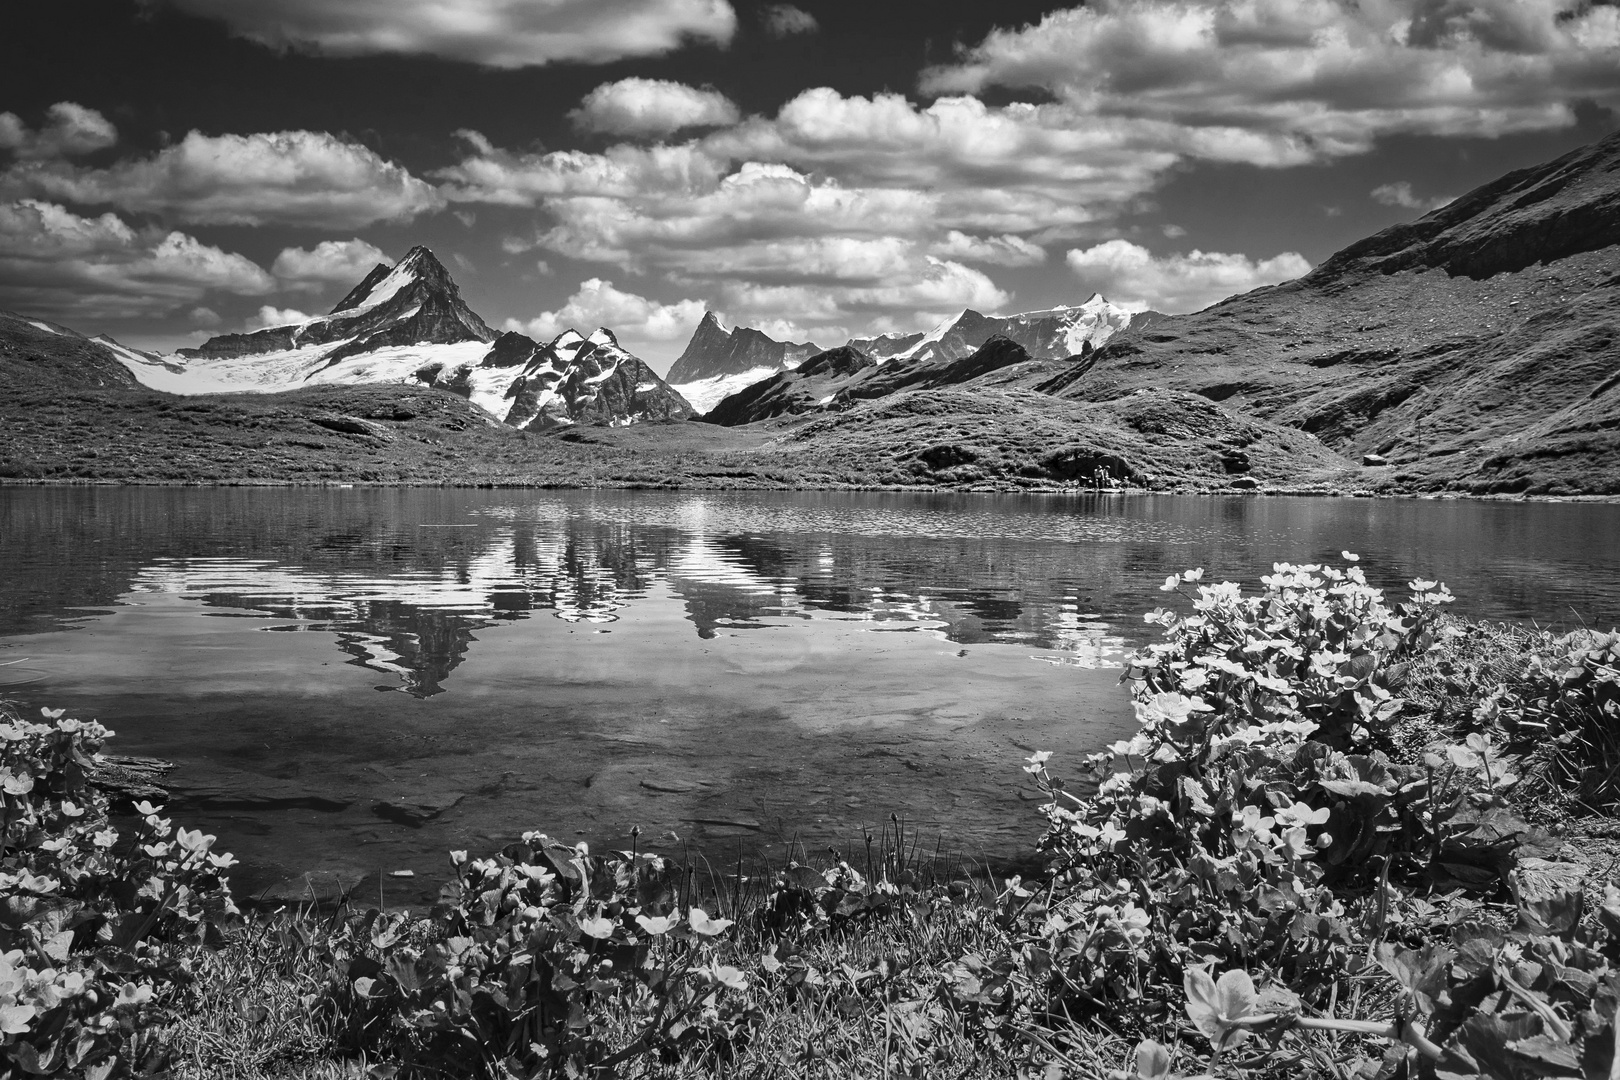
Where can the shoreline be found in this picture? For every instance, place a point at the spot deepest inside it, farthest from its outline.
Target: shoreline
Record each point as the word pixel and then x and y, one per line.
pixel 859 489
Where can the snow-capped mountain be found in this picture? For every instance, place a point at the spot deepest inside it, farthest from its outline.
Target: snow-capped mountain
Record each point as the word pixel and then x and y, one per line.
pixel 1051 334
pixel 407 323
pixel 572 380
pixel 411 302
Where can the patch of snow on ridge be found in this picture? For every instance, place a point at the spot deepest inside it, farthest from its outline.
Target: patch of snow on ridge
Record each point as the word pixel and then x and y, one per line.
pixel 933 337
pixel 705 394
pixel 385 290
pixel 44 327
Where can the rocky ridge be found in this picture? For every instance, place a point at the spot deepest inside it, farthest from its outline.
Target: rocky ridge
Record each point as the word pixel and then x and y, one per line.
pixel 713 350
pixel 836 379
pixel 571 380
pixel 413 301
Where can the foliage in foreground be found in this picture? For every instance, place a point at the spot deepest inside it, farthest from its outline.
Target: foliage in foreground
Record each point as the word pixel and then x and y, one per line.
pixel 1270 869
pixel 92 921
pixel 1257 824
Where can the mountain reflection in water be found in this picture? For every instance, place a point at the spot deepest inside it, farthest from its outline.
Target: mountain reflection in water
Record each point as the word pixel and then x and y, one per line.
pixel 418 625
pixel 725 672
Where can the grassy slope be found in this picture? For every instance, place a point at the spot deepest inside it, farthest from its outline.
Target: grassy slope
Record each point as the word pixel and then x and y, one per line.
pixel 395 434
pixel 1447 344
pixel 958 437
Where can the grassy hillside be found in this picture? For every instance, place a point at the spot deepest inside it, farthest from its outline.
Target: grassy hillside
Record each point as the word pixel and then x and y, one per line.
pixel 1475 348
pixel 407 435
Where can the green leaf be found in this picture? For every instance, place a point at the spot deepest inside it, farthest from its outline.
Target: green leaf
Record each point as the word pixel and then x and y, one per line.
pixel 1423 974
pixel 1152 1061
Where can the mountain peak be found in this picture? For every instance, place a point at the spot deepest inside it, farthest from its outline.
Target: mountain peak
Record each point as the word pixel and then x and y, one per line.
pixel 356 295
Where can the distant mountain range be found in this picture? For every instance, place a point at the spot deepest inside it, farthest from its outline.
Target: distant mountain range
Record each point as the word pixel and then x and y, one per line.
pixel 718 362
pixel 1476 349
pixel 407 323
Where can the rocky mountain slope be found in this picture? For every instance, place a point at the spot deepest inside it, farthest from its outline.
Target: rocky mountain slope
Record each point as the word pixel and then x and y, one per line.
pixel 1475 348
pixel 813 385
pixel 717 362
pixel 836 379
pixel 572 380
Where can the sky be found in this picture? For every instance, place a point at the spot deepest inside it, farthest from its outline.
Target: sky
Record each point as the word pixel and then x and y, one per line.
pixel 175 169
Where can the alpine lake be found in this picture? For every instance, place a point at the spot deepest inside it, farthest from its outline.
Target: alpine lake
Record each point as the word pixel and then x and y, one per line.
pixel 353 682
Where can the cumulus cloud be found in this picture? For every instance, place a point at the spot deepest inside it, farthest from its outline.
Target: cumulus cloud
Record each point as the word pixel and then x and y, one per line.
pixel 269 315
pixel 54 262
pixel 641 107
pixel 784 20
pixel 68 130
pixel 632 318
pixel 494 33
pixel 305 178
pixel 1281 81
pixel 1129 274
pixel 741 232
pixel 994 250
pixel 341 261
pixel 1400 194
pixel 506 178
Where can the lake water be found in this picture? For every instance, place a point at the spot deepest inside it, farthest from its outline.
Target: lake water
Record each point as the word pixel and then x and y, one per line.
pixel 356 681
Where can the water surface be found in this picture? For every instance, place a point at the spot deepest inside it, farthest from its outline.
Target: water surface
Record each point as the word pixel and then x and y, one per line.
pixel 358 680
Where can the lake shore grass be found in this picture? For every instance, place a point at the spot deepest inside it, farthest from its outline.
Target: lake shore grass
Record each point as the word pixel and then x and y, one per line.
pixel 1478 807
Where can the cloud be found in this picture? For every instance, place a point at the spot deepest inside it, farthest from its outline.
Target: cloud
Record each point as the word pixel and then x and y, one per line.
pixel 54 262
pixel 68 130
pixel 755 234
pixel 994 250
pixel 494 33
pixel 1400 194
pixel 632 318
pixel 302 178
pixel 274 316
pixel 1283 81
pixel 341 261
pixel 504 178
pixel 640 107
pixel 784 20
pixel 1128 273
